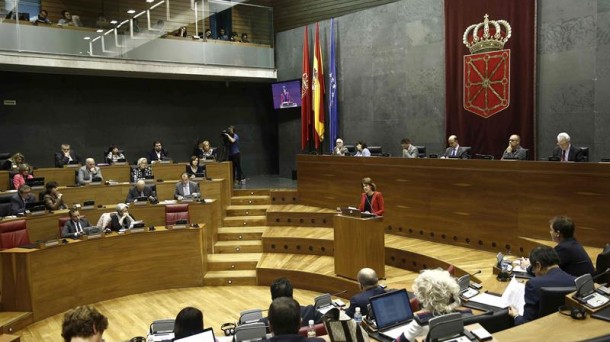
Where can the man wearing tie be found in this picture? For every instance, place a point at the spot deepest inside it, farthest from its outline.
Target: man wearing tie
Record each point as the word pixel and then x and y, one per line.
pixel 158 153
pixel 186 188
pixel 19 200
pixel 140 190
pixel 66 156
pixel 455 150
pixel 565 151
pixel 75 226
pixel 87 173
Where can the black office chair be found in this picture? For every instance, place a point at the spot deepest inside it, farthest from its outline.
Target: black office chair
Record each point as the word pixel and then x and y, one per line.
pixel 494 322
pixel 551 298
pixel 467 152
pixel 5 209
pixel 376 151
pixel 585 152
pixel 527 153
pixel 351 149
pixel 421 151
pixel 601 264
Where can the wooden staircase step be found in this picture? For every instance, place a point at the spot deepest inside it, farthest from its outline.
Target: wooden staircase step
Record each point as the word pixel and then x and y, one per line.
pixel 233 261
pixel 219 278
pixel 14 321
pixel 251 192
pixel 243 246
pixel 302 215
pixel 250 200
pixel 299 240
pixel 244 221
pixel 284 196
pixel 241 233
pixel 247 210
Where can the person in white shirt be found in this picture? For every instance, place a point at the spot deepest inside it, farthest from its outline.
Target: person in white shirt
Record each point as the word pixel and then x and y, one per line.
pixel 408 150
pixel 361 150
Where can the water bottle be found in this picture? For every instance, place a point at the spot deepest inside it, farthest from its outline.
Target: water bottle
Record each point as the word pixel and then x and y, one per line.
pixel 358 316
pixel 311 330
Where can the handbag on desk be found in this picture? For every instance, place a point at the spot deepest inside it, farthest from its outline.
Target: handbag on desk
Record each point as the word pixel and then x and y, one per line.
pixel 343 330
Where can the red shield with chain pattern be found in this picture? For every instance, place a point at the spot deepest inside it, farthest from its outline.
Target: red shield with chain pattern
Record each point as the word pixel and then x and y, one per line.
pixel 487 82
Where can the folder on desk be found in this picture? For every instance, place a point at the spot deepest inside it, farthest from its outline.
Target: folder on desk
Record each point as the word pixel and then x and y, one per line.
pixel 603 314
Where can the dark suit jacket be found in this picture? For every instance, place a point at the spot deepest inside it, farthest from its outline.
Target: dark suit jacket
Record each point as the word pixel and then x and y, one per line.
pixel 193 187
pixel 294 338
pixel 152 155
pixel 189 171
pixel 361 300
pixel 574 155
pixel 308 312
pixel 134 193
pixel 18 204
pixel 61 160
pixel 70 228
pixel 461 153
pixel 116 226
pixel 573 259
pixel 555 277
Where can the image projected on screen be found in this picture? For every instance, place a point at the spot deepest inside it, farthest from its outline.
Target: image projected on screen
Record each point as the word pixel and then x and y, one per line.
pixel 286 94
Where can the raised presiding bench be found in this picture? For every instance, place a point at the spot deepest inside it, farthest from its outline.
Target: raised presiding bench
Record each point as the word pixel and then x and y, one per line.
pixel 51 280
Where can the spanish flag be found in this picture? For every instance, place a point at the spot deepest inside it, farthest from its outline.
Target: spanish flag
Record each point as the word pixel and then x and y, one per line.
pixel 317 88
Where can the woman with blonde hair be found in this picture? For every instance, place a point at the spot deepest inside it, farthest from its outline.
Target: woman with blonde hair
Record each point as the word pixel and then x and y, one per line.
pixel 438 293
pixel 141 171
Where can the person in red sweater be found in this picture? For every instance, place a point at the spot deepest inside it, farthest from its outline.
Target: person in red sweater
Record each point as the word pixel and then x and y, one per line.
pixel 372 200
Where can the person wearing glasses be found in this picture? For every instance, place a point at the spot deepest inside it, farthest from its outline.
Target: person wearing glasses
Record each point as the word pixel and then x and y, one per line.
pixel 565 151
pixel 66 156
pixel 514 149
pixel 371 201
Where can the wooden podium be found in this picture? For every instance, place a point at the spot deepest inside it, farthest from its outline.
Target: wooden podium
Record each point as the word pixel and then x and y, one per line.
pixel 359 243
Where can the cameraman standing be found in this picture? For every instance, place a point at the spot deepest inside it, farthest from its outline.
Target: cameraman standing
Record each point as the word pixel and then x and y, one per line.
pixel 234 155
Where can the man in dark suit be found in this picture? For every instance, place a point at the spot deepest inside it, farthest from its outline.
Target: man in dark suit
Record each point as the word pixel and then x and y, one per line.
pixel 66 156
pixel 19 200
pixel 140 190
pixel 573 258
pixel 369 285
pixel 75 226
pixel 545 264
pixel 455 150
pixel 158 153
pixel 565 151
pixel 186 188
pixel 283 288
pixel 285 321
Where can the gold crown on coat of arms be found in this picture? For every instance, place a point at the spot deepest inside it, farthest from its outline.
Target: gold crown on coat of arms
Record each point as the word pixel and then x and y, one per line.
pixel 478 37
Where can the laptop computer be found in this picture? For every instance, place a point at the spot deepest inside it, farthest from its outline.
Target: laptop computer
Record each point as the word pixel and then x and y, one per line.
pixel 206 336
pixel 36 182
pixel 36 207
pixel 355 212
pixel 392 312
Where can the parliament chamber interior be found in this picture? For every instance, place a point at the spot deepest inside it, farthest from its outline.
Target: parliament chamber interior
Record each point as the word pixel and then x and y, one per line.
pixel 256 141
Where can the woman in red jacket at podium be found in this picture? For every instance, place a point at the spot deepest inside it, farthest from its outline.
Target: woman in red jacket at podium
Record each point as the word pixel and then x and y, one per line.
pixel 371 201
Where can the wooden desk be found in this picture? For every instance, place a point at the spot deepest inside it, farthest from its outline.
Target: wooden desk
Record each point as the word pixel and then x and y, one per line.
pixel 555 327
pixel 118 173
pixel 484 204
pixel 4 179
pixel 358 243
pixel 46 227
pixel 63 176
pixel 51 280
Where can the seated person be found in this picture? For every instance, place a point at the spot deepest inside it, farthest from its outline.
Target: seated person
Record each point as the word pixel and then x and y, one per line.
pixel 114 155
pixel 285 321
pixel 234 37
pixel 84 323
pixel 361 150
pixel 12 164
pixel 455 150
pixel 73 228
pixel 89 172
pixel 195 167
pixel 140 190
pixel 244 38
pixel 158 153
pixel 283 288
pixel 122 219
pixel 24 173
pixel 66 156
pixel 53 199
pixel 222 35
pixel 408 150
pixel 371 200
pixel 142 171
pixel 565 151
pixel 189 322
pixel 514 149
pixel 203 150
pixel 340 149
pixel 186 188
pixel 369 284
pixel 41 18
pixel 438 293
pixel 19 200
pixel 573 259
pixel 208 34
pixel 68 20
pixel 545 265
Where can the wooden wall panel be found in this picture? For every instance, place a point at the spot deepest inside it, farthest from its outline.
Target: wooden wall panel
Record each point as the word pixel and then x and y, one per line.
pixel 289 14
pixel 489 205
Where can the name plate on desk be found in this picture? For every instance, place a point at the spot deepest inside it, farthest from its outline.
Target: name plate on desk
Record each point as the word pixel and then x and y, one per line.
pixel 187 200
pixel 50 243
pixel 88 207
pixel 36 213
pixel 178 226
pixel 138 230
pixel 140 203
pixel 93 236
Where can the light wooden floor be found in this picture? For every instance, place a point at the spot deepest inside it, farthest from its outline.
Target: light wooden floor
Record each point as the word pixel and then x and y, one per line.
pixel 131 315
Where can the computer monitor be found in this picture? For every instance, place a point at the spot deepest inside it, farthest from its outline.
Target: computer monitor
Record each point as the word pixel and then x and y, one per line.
pixel 206 336
pixel 391 308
